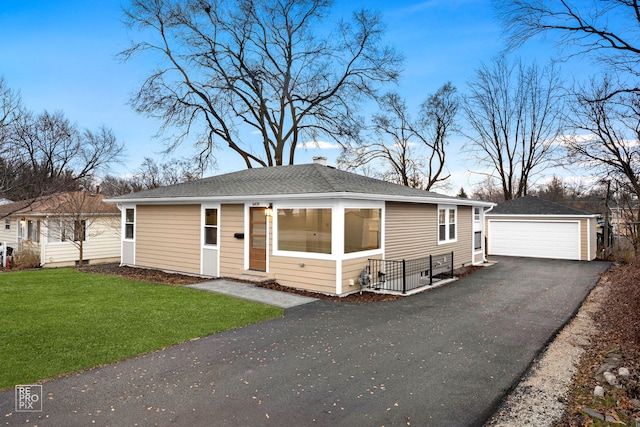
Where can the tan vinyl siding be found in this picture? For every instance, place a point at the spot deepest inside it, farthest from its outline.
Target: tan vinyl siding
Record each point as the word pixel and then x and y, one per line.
pixel 588 239
pixel 584 239
pixel 168 237
pixel 411 232
pixel 351 270
pixel 315 275
pixel 231 249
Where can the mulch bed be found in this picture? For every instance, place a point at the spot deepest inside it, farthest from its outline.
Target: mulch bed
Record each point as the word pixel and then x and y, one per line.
pixel 157 276
pixel 144 274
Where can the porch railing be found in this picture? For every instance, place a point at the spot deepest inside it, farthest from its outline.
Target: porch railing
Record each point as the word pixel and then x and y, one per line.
pixel 407 275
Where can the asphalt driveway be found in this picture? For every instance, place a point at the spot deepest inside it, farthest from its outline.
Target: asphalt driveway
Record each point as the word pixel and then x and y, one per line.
pixel 441 358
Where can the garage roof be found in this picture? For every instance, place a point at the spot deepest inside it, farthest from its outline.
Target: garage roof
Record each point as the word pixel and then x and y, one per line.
pixel 532 205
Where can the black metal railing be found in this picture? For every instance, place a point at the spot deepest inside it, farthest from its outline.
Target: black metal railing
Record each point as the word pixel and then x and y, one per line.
pixel 406 275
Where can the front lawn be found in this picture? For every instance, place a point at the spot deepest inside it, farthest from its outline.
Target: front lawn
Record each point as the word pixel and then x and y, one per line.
pixel 60 321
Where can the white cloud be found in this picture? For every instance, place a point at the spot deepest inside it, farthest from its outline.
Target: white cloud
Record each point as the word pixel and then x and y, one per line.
pixel 321 145
pixel 583 138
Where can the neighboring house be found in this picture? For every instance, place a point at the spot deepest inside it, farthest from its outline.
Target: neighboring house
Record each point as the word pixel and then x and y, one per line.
pixel 624 220
pixel 54 226
pixel 532 227
pixel 306 226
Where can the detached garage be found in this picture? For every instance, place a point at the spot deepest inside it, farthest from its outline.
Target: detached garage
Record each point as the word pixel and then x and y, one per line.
pixel 533 227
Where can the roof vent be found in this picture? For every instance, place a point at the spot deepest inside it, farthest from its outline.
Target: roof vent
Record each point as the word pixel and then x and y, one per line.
pixel 320 160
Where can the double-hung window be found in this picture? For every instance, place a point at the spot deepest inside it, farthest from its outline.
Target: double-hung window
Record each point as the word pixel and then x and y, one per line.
pixel 129 222
pixel 210 226
pixel 447 224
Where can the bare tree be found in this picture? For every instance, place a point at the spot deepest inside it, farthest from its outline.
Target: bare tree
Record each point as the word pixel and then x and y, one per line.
pixel 487 191
pixel 263 66
pixel 606 141
pixel 112 186
pixel 412 150
pixel 10 109
pixel 44 154
pixel 575 192
pixel 151 174
pixel 174 171
pixel 79 215
pixel 515 113
pixel 605 30
pixel 390 143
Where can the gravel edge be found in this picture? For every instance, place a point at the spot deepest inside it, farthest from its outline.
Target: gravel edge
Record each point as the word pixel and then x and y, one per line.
pixel 540 397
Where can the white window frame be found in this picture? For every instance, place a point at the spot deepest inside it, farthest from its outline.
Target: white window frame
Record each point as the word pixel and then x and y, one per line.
pixel 337 227
pixel 306 205
pixel 362 205
pixel 478 248
pixel 124 223
pixel 204 209
pixel 447 223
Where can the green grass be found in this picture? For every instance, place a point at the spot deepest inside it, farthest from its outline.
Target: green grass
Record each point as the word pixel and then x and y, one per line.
pixel 55 322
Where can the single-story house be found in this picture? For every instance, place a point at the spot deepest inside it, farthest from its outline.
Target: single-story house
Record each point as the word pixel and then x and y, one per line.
pixel 52 227
pixel 307 226
pixel 532 227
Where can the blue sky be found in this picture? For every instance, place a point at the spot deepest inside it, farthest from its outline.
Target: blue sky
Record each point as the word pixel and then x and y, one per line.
pixel 61 55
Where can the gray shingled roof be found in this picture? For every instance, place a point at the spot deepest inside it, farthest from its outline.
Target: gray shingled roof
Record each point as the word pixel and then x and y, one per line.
pixel 294 179
pixel 532 205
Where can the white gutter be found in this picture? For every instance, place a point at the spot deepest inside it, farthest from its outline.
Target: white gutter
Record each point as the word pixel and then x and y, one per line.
pixel 544 216
pixel 315 196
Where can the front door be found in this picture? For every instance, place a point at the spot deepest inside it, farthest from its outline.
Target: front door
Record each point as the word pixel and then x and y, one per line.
pixel 257 239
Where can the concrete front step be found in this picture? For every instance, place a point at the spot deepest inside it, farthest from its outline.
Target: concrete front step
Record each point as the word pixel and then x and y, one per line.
pixel 251 278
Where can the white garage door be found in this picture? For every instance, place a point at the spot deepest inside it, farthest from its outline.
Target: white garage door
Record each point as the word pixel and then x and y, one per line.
pixel 539 239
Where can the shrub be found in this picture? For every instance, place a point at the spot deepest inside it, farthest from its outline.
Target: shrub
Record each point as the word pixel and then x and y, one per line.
pixel 28 257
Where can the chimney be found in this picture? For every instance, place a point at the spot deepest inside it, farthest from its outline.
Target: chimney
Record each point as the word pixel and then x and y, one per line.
pixel 320 160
